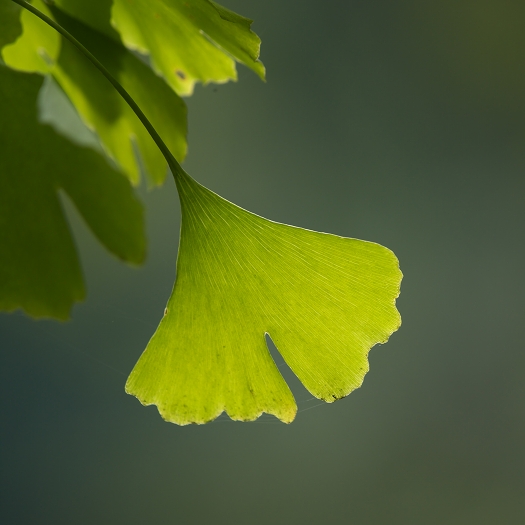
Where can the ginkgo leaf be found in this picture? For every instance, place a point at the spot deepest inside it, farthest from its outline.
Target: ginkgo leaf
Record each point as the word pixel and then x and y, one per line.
pixel 41 49
pixel 39 267
pixel 188 40
pixel 324 300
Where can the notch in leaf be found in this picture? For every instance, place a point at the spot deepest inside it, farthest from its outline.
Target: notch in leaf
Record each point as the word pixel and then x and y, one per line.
pixel 324 300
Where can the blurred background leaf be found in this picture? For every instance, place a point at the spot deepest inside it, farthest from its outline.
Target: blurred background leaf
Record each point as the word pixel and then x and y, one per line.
pixel 39 267
pixel 187 41
pixel 102 109
pixel 10 26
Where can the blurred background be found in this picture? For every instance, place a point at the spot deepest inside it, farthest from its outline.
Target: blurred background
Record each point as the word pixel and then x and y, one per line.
pixel 399 122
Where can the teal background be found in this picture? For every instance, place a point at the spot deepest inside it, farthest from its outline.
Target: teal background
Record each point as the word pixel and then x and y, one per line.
pixel 399 122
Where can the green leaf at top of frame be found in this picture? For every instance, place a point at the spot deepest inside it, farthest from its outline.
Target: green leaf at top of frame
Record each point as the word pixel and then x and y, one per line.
pixel 10 27
pixel 122 135
pixel 324 300
pixel 39 267
pixel 188 41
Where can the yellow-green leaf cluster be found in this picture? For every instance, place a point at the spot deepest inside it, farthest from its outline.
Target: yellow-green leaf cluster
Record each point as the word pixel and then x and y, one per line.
pixel 188 41
pixel 41 49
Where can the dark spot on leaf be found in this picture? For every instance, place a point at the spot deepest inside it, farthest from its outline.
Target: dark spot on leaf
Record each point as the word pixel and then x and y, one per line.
pixel 165 311
pixel 180 74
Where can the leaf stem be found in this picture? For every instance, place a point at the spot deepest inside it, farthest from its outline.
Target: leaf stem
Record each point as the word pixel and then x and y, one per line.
pixel 175 167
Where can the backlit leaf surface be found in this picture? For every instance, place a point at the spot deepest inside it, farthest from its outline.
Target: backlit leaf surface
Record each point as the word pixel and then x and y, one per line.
pixel 324 300
pixel 39 267
pixel 188 40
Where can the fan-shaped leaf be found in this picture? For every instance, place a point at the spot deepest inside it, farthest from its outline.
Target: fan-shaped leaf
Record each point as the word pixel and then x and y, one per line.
pixel 324 300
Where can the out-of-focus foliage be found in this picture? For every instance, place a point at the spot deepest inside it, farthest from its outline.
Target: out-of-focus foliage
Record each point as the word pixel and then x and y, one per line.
pixel 39 267
pixel 41 49
pixel 28 44
pixel 10 26
pixel 187 41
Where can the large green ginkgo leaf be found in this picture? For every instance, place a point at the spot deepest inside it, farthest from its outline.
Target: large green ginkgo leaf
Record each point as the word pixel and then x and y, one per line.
pixel 41 49
pixel 324 300
pixel 39 267
pixel 188 40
